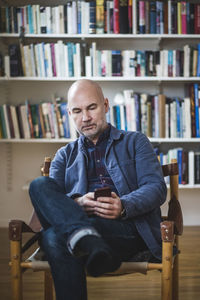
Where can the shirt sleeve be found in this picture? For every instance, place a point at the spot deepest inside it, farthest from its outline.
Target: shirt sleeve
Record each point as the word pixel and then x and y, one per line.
pixel 57 168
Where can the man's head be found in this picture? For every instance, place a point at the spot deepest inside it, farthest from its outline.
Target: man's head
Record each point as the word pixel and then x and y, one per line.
pixel 88 107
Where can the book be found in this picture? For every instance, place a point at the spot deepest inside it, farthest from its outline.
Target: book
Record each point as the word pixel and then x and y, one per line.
pixel 25 123
pixel 29 118
pixel 15 121
pixel 152 16
pixel 99 16
pixel 123 16
pixel 35 120
pixel 43 20
pixel 142 28
pixel 197 167
pixel 46 118
pixel 143 104
pixel 3 123
pixel 116 63
pixel 15 60
pixel 92 19
pixel 184 167
pixel 116 16
pixel 183 18
pixel 191 167
pixel 130 110
pixel 161 108
pixel 65 119
pixel 196 104
pixel 192 111
pixel 197 19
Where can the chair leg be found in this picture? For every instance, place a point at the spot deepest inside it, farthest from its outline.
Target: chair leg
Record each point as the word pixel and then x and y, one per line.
pixel 167 271
pixel 48 286
pixel 16 270
pixel 175 283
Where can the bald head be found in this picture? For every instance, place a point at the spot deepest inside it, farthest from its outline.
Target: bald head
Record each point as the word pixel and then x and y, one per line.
pixel 88 107
pixel 84 85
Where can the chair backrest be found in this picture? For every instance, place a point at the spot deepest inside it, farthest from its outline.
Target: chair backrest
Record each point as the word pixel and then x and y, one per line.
pixel 174 211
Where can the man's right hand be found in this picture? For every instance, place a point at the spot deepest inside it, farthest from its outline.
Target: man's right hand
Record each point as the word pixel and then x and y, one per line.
pixel 87 202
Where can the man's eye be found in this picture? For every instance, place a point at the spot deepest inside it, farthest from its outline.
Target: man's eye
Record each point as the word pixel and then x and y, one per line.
pixel 92 107
pixel 76 111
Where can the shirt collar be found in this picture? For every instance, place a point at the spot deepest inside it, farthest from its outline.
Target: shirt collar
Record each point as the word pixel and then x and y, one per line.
pixel 103 137
pixel 113 132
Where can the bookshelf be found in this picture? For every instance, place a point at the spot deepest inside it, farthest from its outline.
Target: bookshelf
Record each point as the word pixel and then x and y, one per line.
pixel 112 78
pixel 21 158
pixel 104 36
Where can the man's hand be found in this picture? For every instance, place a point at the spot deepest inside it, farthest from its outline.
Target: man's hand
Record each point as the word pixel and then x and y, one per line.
pixel 87 202
pixel 108 207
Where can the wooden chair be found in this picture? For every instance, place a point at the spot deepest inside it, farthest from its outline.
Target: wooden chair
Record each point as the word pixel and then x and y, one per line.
pixel 171 228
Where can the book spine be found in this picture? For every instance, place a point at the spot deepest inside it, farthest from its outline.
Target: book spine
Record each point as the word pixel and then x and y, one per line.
pixel 197 167
pixel 161 109
pixel 100 16
pixel 183 18
pixel 192 107
pixel 141 16
pixel 116 16
pixel 152 12
pixel 123 16
pixel 196 102
pixel 92 20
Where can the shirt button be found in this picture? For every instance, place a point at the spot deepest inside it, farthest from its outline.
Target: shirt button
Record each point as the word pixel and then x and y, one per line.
pixel 98 160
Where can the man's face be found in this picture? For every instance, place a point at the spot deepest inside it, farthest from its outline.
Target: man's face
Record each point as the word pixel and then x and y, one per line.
pixel 88 111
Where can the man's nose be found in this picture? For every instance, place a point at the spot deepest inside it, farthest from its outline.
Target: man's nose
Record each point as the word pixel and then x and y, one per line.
pixel 86 116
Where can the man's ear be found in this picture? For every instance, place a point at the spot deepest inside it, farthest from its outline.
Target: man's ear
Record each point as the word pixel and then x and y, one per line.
pixel 69 111
pixel 106 104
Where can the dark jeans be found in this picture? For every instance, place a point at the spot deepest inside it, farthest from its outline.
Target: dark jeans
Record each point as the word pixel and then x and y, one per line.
pixel 60 216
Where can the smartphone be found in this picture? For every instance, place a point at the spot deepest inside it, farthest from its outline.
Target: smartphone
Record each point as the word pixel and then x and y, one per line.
pixel 102 192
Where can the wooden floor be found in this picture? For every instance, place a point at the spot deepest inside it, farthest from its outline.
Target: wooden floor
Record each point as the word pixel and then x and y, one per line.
pixel 129 287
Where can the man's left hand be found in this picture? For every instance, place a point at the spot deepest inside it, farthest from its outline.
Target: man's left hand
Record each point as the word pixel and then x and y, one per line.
pixel 108 207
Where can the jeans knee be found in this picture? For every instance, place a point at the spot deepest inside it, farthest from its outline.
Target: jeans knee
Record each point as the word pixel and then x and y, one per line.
pixel 37 185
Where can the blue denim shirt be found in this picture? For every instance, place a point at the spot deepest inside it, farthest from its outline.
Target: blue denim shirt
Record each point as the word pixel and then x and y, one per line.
pixel 135 171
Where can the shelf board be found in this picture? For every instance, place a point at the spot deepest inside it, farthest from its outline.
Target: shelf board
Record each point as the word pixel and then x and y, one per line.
pixel 104 36
pixel 189 186
pixel 113 78
pixel 174 140
pixel 63 140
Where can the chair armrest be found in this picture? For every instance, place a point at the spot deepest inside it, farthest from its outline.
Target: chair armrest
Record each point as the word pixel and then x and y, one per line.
pixel 17 228
pixel 167 231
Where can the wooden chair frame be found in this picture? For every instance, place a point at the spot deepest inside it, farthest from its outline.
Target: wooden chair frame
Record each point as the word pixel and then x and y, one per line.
pixel 171 228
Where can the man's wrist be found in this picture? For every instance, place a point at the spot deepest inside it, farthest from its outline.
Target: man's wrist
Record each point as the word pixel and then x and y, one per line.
pixel 123 212
pixel 77 195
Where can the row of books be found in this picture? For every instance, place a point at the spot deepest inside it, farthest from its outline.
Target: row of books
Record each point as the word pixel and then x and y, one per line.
pixel 77 59
pixel 188 164
pixel 157 115
pixel 43 120
pixel 169 17
pixel 103 16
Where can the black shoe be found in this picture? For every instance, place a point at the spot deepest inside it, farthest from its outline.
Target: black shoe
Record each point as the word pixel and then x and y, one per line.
pixel 99 255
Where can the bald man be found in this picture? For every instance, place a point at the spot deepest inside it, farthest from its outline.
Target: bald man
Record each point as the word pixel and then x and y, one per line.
pixel 83 233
